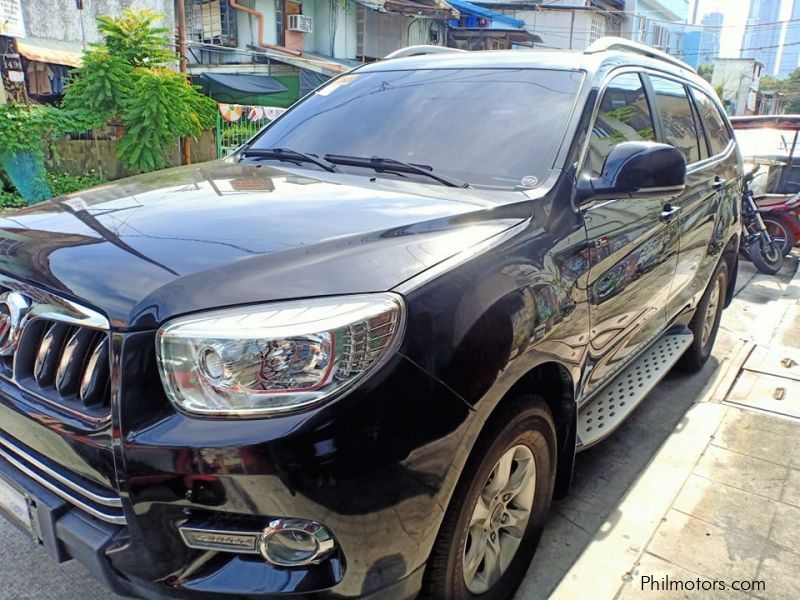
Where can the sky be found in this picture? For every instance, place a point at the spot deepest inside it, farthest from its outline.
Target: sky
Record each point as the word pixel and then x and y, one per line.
pixel 735 12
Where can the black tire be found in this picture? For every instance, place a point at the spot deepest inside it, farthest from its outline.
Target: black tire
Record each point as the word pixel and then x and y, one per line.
pixel 780 232
pixel 700 350
pixel 525 421
pixel 767 257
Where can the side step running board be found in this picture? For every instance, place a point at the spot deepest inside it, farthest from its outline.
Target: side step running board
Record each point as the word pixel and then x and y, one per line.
pixel 611 406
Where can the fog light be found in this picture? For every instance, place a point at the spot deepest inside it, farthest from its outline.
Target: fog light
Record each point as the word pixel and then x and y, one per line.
pixel 295 542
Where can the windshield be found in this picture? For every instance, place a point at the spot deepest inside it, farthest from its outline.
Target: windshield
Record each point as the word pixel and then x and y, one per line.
pixel 488 127
pixel 767 144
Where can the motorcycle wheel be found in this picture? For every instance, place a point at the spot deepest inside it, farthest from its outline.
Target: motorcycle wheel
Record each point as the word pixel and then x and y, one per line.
pixel 766 256
pixel 779 232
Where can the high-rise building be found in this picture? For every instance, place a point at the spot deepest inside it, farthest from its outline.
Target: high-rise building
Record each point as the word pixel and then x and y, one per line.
pixel 710 38
pixel 763 33
pixel 790 56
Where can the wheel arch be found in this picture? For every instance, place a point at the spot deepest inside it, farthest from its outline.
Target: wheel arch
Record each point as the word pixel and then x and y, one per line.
pixel 731 256
pixel 554 383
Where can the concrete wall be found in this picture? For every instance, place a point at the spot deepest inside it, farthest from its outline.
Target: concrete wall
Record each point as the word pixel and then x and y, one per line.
pixel 81 156
pixel 60 20
pixel 344 40
pixel 740 80
pixel 560 29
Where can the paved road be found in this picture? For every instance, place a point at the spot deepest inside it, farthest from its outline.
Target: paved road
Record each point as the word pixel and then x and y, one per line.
pixel 603 475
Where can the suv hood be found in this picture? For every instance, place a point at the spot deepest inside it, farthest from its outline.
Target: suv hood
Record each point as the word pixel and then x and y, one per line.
pixel 150 247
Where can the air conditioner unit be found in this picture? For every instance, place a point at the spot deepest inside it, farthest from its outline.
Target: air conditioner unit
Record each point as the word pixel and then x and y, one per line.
pixel 302 23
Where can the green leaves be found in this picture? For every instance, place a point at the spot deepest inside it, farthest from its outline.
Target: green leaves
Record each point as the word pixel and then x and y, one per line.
pixel 135 39
pixel 22 128
pixel 125 80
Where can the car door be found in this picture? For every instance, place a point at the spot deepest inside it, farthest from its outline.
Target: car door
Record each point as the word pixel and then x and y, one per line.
pixel 633 246
pixel 712 185
pixel 699 203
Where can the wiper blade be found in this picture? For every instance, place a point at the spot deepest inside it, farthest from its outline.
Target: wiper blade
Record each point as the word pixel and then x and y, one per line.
pixel 390 164
pixel 290 155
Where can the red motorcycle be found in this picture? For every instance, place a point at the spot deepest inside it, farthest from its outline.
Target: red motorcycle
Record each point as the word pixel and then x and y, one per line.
pixel 781 216
pixel 771 142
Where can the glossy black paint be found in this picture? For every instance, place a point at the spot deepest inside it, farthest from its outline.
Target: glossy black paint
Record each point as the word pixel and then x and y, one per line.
pixel 536 291
pixel 639 169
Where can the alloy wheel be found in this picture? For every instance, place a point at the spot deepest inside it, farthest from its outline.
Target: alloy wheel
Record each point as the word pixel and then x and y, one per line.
pixel 499 519
pixel 711 311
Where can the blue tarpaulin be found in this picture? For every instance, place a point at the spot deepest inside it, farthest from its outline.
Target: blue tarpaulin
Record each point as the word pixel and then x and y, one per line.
pixel 472 9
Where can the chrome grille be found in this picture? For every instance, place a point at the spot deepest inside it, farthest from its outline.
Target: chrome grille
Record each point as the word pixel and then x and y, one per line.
pixel 98 501
pixel 55 350
pixel 65 364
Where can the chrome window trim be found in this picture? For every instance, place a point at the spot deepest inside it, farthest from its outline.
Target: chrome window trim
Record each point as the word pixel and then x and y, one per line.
pixel 640 70
pixel 75 501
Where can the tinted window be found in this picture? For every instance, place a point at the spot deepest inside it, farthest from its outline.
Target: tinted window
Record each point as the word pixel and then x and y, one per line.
pixel 489 127
pixel 713 122
pixel 624 116
pixel 677 121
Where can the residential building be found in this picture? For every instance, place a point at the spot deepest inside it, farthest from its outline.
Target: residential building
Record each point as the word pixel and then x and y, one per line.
pixel 790 55
pixel 770 103
pixel 763 34
pixel 49 37
pixel 564 24
pixel 737 82
pixel 659 23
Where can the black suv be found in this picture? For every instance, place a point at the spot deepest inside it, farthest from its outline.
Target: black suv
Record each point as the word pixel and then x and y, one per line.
pixel 357 357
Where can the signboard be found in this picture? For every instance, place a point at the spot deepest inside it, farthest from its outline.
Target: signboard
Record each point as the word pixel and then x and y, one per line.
pixel 11 22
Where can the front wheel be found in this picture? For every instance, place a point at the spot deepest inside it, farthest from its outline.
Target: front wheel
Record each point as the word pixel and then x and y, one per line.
pixel 767 255
pixel 779 232
pixel 495 518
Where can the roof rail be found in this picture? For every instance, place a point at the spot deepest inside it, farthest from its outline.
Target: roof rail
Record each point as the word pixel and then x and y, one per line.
pixel 605 44
pixel 420 50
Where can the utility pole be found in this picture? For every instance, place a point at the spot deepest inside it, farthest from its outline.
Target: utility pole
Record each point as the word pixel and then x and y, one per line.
pixel 186 142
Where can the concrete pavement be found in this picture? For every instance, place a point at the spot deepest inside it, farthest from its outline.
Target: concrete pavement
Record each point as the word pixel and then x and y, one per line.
pixel 695 484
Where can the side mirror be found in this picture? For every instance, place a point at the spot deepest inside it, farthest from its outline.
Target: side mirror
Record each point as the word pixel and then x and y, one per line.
pixel 638 169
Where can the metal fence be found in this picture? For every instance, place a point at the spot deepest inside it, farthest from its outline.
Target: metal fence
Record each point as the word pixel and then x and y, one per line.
pixel 237 123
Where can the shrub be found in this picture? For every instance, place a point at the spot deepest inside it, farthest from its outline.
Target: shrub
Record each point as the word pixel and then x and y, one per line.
pixel 126 81
pixel 60 183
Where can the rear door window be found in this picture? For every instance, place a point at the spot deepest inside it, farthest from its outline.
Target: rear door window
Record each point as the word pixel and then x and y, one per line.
pixel 675 114
pixel 624 116
pixel 717 131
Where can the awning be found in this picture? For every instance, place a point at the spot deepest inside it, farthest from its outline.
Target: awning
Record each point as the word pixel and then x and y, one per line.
pixel 48 51
pixel 435 9
pixel 242 83
pixel 479 11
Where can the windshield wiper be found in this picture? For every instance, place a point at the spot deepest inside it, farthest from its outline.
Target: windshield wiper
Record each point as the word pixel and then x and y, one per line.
pixel 390 164
pixel 289 155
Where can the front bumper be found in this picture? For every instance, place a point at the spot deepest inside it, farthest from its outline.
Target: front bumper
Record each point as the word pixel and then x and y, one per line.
pixel 67 532
pixel 375 467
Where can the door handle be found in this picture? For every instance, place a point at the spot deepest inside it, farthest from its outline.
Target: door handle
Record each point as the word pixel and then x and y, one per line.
pixel 669 211
pixel 719 182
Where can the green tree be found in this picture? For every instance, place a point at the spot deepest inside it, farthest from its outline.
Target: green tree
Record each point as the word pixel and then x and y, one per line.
pixel 705 71
pixel 789 88
pixel 126 80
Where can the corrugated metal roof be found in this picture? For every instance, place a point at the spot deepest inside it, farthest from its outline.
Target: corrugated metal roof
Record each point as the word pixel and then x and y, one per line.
pixel 486 13
pixel 436 9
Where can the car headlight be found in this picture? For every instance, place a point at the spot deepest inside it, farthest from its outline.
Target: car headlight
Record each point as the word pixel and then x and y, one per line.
pixel 258 360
